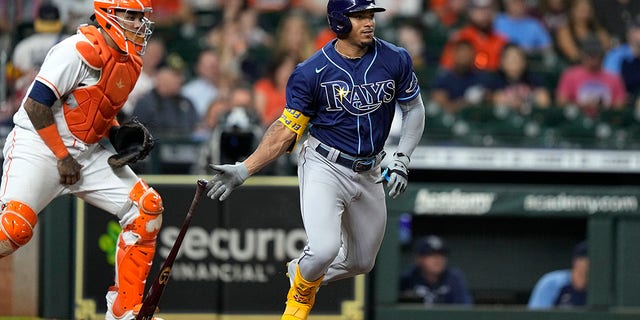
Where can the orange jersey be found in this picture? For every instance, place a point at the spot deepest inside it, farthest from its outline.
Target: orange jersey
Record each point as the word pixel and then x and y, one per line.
pixel 488 48
pixel 98 105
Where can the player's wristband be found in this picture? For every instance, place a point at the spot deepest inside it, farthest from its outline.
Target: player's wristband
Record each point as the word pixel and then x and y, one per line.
pixel 52 139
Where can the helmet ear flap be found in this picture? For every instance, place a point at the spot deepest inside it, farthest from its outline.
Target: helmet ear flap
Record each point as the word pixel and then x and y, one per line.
pixel 339 23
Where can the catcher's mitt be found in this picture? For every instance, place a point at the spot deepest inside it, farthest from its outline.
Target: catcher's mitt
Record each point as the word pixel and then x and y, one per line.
pixel 132 142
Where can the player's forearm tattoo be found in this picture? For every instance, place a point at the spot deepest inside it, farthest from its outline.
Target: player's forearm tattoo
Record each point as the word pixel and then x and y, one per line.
pixel 40 115
pixel 275 142
pixel 277 138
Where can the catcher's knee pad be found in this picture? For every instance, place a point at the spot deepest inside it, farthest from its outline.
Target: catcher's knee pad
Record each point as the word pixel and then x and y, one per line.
pixel 17 221
pixel 145 219
pixel 136 246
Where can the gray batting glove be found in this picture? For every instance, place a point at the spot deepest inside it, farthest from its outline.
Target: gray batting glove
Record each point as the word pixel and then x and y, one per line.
pixel 396 175
pixel 227 178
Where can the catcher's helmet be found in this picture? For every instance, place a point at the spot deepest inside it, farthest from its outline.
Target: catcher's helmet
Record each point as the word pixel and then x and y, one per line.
pixel 120 30
pixel 337 11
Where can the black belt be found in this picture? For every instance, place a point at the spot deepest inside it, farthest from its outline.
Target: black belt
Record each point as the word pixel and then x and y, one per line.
pixel 355 164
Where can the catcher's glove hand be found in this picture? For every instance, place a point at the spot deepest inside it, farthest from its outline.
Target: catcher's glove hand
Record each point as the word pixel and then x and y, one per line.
pixel 132 142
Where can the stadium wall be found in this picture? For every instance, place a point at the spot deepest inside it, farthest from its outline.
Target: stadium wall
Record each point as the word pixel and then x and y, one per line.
pixel 491 227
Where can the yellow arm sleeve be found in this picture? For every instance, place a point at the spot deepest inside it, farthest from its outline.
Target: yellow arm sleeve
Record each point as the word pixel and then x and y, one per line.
pixel 295 121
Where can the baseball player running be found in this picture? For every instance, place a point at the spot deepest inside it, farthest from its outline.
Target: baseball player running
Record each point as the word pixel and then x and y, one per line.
pixel 53 149
pixel 347 92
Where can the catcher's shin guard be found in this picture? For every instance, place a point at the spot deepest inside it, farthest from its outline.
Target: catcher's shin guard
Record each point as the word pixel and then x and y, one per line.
pixel 17 221
pixel 301 297
pixel 135 250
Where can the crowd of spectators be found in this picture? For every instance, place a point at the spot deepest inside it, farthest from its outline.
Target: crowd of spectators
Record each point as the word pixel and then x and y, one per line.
pixel 528 59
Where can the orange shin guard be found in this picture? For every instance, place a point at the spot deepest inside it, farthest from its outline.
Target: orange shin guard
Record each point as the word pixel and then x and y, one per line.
pixel 17 221
pixel 136 248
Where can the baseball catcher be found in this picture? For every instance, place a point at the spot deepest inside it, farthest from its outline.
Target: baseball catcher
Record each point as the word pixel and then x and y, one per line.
pixel 54 148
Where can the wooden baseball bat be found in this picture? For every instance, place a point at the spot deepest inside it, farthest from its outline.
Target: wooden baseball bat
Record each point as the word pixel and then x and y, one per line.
pixel 150 303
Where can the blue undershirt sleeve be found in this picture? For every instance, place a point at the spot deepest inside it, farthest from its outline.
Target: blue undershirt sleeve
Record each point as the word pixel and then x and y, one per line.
pixel 42 94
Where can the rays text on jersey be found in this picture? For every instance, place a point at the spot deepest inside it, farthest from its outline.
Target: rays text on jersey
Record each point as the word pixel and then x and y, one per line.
pixel 359 99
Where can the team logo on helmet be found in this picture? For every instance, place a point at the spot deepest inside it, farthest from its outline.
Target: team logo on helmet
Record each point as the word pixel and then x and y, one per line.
pixel 131 30
pixel 359 99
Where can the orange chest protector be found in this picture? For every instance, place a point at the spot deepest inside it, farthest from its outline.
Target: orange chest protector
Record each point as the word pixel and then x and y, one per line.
pixel 94 108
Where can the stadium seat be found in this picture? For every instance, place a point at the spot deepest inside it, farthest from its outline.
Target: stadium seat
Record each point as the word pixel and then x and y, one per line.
pixel 617 118
pixel 479 114
pixel 507 129
pixel 438 124
pixel 577 131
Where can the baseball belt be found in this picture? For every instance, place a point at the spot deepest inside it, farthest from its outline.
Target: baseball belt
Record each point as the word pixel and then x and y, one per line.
pixel 357 164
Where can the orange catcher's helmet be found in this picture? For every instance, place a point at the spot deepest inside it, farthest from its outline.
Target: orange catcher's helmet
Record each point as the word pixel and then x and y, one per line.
pixel 130 30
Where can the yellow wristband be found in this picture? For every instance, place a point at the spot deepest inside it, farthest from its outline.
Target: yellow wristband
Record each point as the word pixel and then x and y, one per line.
pixel 53 140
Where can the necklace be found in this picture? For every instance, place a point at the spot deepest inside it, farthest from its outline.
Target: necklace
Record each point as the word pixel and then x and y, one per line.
pixel 335 46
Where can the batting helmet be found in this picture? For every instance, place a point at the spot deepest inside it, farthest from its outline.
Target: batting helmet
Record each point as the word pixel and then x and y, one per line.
pixel 337 11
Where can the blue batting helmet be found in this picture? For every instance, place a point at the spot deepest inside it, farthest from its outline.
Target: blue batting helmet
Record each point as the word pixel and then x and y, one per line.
pixel 337 11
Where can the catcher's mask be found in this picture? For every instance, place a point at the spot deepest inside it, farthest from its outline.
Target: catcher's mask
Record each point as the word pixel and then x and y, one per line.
pixel 131 28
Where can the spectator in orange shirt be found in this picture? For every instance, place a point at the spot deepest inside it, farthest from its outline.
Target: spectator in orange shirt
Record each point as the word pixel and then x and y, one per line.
pixel 479 32
pixel 269 91
pixel 462 86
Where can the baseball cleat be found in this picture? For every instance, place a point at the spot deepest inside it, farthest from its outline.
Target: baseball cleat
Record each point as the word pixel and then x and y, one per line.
pixel 129 315
pixel 301 296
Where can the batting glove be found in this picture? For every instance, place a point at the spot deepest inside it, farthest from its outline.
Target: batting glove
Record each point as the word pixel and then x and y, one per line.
pixel 227 178
pixel 396 175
